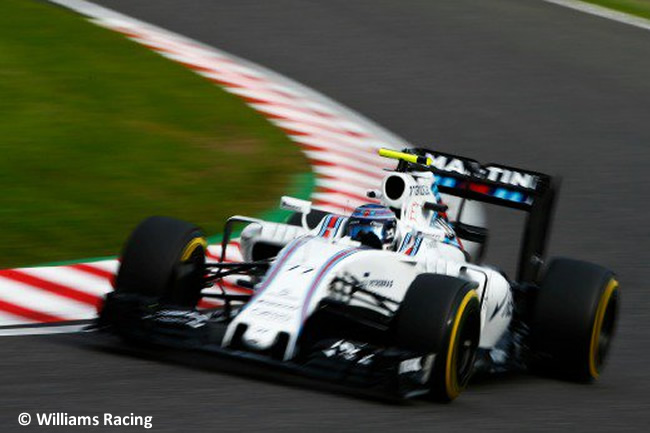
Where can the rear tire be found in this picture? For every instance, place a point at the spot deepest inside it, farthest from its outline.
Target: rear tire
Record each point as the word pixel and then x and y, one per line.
pixel 574 319
pixel 441 314
pixel 164 259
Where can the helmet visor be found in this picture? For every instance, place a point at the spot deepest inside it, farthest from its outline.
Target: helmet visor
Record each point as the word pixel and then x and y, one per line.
pixel 358 228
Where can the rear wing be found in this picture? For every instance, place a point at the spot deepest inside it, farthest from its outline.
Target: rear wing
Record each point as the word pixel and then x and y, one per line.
pixel 496 184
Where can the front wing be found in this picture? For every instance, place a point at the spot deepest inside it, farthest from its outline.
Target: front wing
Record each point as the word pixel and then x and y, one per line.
pixel 383 370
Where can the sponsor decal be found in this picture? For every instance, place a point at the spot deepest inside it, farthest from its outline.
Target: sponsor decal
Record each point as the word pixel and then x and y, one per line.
pixel 343 349
pixel 274 309
pixel 492 173
pixel 419 190
pixel 346 288
pixel 410 365
pixel 511 177
pixel 271 316
pixel 419 367
pixel 291 206
pixel 505 312
pixel 379 284
pixel 193 319
pixel 349 351
pixel 441 162
pixel 413 211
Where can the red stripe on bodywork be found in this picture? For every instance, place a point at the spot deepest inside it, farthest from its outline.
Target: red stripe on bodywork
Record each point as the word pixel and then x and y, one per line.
pixel 209 304
pixel 330 226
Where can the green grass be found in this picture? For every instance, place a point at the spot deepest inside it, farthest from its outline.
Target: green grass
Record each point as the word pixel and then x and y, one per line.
pixel 640 8
pixel 97 132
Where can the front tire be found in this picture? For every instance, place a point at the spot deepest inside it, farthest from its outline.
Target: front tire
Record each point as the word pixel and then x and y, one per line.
pixel 164 259
pixel 574 319
pixel 441 314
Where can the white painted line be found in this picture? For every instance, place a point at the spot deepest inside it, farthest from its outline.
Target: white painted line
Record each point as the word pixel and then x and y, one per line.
pixel 604 12
pixel 9 319
pixel 42 330
pixel 106 265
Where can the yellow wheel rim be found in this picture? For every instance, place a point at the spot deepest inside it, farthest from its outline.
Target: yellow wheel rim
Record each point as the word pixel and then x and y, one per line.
pixel 612 286
pixel 192 246
pixel 451 375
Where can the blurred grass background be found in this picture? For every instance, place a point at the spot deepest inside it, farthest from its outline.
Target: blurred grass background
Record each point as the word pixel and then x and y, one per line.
pixel 634 7
pixel 97 132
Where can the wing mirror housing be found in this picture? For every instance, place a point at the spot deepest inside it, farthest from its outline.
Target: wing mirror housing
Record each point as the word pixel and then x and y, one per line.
pixel 303 207
pixel 295 204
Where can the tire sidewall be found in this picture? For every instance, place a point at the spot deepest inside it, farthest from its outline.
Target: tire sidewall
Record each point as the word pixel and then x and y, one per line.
pixel 431 319
pixel 152 261
pixel 465 311
pixel 564 318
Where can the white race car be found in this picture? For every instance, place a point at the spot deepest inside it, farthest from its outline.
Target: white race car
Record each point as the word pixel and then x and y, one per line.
pixel 393 297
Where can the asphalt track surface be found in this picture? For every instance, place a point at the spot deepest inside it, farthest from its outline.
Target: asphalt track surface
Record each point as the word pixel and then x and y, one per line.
pixel 521 82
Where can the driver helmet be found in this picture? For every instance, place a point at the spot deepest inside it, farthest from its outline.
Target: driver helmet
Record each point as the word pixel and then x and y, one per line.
pixel 373 225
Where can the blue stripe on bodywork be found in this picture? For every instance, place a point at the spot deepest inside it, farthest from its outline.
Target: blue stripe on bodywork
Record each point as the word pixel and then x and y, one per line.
pixel 405 242
pixel 335 259
pixel 326 223
pixel 286 253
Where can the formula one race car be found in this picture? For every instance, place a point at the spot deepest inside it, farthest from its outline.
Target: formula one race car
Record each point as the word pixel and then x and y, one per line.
pixel 387 298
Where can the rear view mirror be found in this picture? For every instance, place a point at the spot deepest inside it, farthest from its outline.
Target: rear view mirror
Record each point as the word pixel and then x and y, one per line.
pixel 295 204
